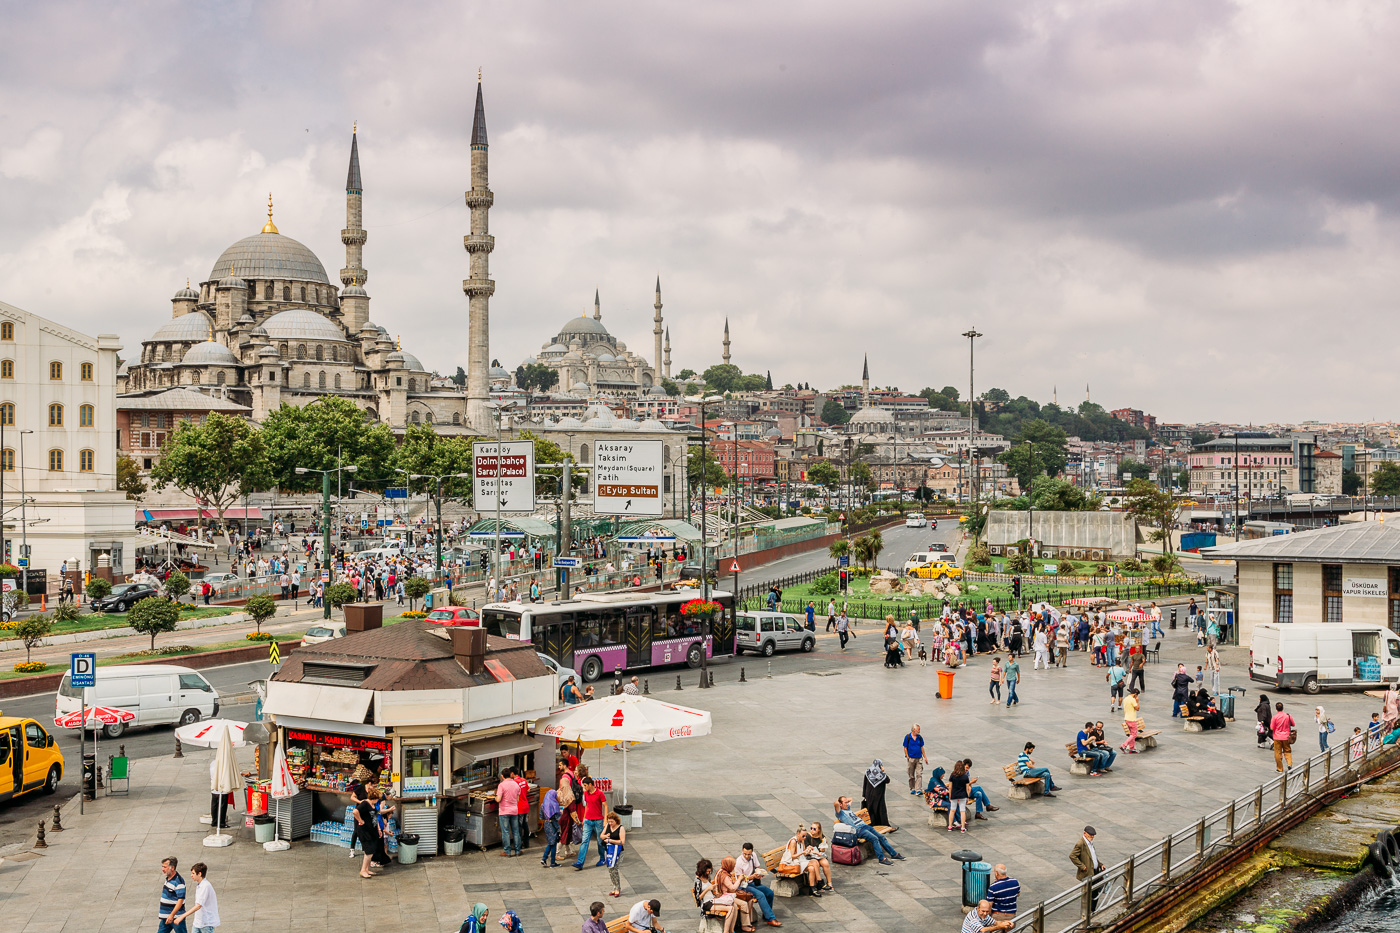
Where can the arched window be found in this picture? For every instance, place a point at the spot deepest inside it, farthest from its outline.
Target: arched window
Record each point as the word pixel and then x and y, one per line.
pixel 85 372
pixel 55 461
pixel 267 292
pixel 85 416
pixel 85 459
pixel 221 377
pixel 7 331
pixel 55 370
pixel 194 377
pixel 456 417
pixel 337 380
pixel 320 352
pixel 301 351
pixel 7 369
pixel 415 417
pixel 428 417
pixel 306 380
pixel 55 415
pixel 583 454
pixel 303 293
pixel 7 460
pixel 321 380
pixel 335 354
pixel 286 293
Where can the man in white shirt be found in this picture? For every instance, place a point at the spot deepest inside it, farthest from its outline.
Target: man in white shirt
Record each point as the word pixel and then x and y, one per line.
pixel 643 917
pixel 204 915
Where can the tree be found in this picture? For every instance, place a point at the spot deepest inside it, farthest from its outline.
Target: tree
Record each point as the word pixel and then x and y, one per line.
pixel 768 381
pixel 177 585
pixel 1385 481
pixel 1201 437
pixel 129 478
pixel 1000 396
pixel 723 377
pixel 686 374
pixel 1049 441
pixel 1351 482
pixel 32 630
pixel 460 379
pixel 824 474
pixel 537 376
pixel 260 608
pixel 838 548
pixel 861 477
pixel 706 470
pixel 97 588
pixel 833 412
pixel 153 616
pixel 415 588
pixel 338 594
pixel 546 451
pixel 1049 494
pixel 861 545
pixel 1154 507
pixel 1023 462
pixel 315 436
pixel 424 451
pixel 216 463
pixel 672 389
pixel 1137 468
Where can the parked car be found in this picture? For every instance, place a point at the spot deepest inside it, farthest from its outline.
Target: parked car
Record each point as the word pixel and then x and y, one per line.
pixel 319 633
pixel 935 570
pixel 690 577
pixel 123 597
pixel 455 615
pixel 768 632
pixel 562 673
pixel 219 581
pixel 29 758
pixel 156 693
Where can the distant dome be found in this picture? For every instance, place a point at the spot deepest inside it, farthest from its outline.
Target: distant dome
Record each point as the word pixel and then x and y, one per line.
pixel 584 325
pixel 872 416
pixel 270 256
pixel 528 361
pixel 186 294
pixel 398 356
pixel 599 413
pixel 245 318
pixel 301 324
pixel 188 328
pixel 210 352
pixel 354 291
pixel 774 431
pixel 627 425
pixel 554 348
pixel 657 391
pixel 651 424
pixel 258 331
pixel 499 372
pixel 231 281
pixel 601 355
pixel 267 352
pixel 581 389
pixel 411 362
pixel 569 422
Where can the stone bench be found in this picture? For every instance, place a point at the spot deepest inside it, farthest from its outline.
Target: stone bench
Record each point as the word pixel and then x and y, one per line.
pixel 1022 788
pixel 1145 739
pixel 1193 724
pixel 1079 764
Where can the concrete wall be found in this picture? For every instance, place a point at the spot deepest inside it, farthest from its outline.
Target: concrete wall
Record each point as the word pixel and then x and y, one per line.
pixel 1256 602
pixel 1113 532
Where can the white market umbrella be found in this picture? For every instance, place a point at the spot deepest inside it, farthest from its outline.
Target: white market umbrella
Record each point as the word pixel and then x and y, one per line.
pixel 282 787
pixel 622 719
pixel 223 780
pixel 206 733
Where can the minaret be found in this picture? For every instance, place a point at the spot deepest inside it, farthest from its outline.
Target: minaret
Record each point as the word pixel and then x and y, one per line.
pixel 726 341
pixel 865 383
pixel 656 325
pixel 479 286
pixel 597 307
pixel 668 353
pixel 354 300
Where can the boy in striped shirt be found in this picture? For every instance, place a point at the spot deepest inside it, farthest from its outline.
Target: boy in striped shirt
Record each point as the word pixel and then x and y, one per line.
pixel 1025 767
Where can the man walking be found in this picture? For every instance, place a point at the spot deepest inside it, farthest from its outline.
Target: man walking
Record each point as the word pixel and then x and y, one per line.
pixel 172 897
pixel 1002 892
pixel 594 804
pixel 843 629
pixel 1213 669
pixel 1062 645
pixel 1013 677
pixel 1086 860
pixel 206 903
pixel 1116 678
pixel 914 759
pixel 1137 673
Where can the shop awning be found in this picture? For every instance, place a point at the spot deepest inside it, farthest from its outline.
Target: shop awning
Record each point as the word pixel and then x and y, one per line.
pixel 188 515
pixel 331 726
pixel 502 745
pixel 317 701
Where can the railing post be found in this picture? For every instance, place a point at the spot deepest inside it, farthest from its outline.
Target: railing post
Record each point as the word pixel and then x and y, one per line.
pixel 1307 774
pixel 1038 918
pixel 1200 841
pixel 1328 766
pixel 1128 882
pixel 1259 806
pixel 1167 860
pixel 1230 823
pixel 1086 901
pixel 1283 790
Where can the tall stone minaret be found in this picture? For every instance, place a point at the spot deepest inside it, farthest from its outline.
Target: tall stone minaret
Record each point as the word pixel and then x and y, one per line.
pixel 726 340
pixel 354 300
pixel 668 353
pixel 656 325
pixel 865 383
pixel 479 287
pixel 597 307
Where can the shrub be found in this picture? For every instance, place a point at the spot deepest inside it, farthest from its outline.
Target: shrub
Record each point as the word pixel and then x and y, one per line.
pixel 1066 568
pixel 1102 569
pixel 1018 563
pixel 979 555
pixel 30 667
pixel 261 608
pixel 413 614
pixel 338 594
pixel 152 616
pixel 32 630
pixel 1130 565
pixel 259 636
pixel 67 612
pixel 415 588
pixel 98 588
pixel 826 585
pixel 177 585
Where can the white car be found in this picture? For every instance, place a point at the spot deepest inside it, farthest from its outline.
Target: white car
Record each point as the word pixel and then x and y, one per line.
pixel 319 633
pixel 915 520
pixel 562 673
pixel 220 580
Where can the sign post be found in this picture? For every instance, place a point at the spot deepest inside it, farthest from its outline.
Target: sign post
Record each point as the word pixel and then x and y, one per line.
pixel 82 673
pixel 628 478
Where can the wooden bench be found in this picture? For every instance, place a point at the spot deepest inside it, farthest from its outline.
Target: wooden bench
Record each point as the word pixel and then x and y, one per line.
pixel 1079 763
pixel 1193 724
pixel 864 814
pixel 1022 788
pixel 788 880
pixel 1145 738
pixel 618 924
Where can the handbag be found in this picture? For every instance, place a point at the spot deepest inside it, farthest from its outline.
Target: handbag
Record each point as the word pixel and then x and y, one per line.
pixel 565 793
pixel 743 896
pixel 611 853
pixel 575 833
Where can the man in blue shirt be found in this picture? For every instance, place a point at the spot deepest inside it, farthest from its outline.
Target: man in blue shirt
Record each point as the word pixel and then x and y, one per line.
pixel 1025 767
pixel 811 617
pixel 1084 745
pixel 914 759
pixel 1002 892
pixel 882 847
pixel 172 897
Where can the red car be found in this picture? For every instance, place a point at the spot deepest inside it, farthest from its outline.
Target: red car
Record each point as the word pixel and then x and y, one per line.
pixel 455 615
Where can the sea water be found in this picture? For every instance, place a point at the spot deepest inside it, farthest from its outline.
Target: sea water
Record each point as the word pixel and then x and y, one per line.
pixel 1378 912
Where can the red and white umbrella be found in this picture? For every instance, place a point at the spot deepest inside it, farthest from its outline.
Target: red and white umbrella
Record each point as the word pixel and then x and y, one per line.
pixel 1124 615
pixel 206 733
pixel 1091 600
pixel 283 786
pixel 105 715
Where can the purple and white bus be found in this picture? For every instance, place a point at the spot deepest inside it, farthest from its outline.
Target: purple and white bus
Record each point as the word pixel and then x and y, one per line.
pixel 598 633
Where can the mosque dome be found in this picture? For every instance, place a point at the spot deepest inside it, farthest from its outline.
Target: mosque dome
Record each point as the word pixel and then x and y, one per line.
pixel 354 291
pixel 657 392
pixel 498 372
pixel 411 362
pixel 627 424
pixel 188 328
pixel 267 353
pixel 554 348
pixel 301 324
pixel 210 353
pixel 581 390
pixel 584 325
pixel 258 331
pixel 651 424
pixel 569 422
pixel 270 256
pixel 186 294
pixel 873 417
pixel 231 281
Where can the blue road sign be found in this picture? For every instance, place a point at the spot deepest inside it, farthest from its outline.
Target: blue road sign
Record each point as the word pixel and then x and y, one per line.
pixel 844 560
pixel 83 670
pixel 24 562
pixel 396 492
pixel 569 562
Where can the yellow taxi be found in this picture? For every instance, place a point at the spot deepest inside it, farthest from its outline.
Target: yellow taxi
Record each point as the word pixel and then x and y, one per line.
pixel 936 570
pixel 29 758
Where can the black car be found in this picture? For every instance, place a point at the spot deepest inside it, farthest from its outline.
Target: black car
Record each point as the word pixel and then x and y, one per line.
pixel 123 597
pixel 939 547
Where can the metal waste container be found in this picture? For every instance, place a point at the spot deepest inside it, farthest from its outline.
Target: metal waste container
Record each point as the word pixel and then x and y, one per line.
pixel 408 848
pixel 89 776
pixel 1226 702
pixel 976 875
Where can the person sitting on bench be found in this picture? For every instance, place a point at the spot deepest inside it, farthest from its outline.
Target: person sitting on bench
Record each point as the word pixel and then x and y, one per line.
pixel 1025 767
pixel 816 847
pixel 1101 760
pixel 1202 704
pixel 937 793
pixel 881 845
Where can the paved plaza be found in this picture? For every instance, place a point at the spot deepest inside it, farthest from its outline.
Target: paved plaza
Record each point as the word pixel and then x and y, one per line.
pixel 781 751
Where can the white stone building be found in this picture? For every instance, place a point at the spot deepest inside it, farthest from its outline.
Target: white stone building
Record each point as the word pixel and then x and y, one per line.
pixel 58 446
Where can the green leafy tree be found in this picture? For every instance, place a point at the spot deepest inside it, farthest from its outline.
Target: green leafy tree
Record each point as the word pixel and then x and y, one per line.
pixel 824 474
pixel 833 412
pixel 425 452
pixel 460 379
pixel 944 400
pixel 32 630
pixel 1201 437
pixel 1385 481
pixel 1000 396
pixel 1351 483
pixel 129 479
pixel 216 463
pixel 838 548
pixel 97 588
pixel 537 376
pixel 1050 494
pixel 415 588
pixel 260 608
pixel 177 585
pixel 672 389
pixel 153 616
pixel 546 451
pixel 768 380
pixel 1136 468
pixel 1154 507
pixel 686 374
pixel 1024 462
pixel 723 377
pixel 704 470
pixel 313 436
pixel 338 594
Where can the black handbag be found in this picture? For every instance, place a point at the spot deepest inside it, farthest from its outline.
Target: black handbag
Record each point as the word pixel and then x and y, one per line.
pixel 845 839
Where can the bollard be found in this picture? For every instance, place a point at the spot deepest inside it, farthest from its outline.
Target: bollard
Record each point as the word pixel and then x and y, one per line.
pixel 741 676
pixel 712 678
pixel 39 843
pixel 99 775
pixel 770 670
pixel 678 682
pixel 646 688
pixel 617 682
pixel 57 820
pixel 179 753
pixel 703 684
pixel 121 751
pixel 1173 618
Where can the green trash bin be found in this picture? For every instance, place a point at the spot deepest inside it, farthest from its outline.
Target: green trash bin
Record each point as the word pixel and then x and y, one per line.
pixel 408 848
pixel 264 828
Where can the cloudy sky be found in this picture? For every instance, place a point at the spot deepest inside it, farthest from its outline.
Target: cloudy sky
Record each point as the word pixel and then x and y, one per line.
pixel 1190 206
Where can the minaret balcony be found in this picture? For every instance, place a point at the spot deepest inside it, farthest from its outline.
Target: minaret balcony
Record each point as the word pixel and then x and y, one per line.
pixel 358 276
pixel 353 237
pixel 478 243
pixel 479 288
pixel 480 197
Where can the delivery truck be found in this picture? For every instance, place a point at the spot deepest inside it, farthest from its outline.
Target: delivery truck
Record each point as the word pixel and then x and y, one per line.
pixel 1313 655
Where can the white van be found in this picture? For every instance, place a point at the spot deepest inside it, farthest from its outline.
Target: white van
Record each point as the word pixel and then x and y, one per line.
pixel 379 554
pixel 156 693
pixel 1313 655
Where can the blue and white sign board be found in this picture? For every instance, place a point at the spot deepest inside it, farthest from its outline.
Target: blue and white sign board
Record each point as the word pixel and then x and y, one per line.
pixel 644 539
pixel 504 534
pixel 82 671
pixel 396 492
pixel 24 562
pixel 844 560
pixel 568 562
pixel 628 478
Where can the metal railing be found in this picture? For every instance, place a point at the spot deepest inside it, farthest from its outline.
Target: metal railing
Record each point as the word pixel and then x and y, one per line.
pixel 1107 581
pixel 1110 895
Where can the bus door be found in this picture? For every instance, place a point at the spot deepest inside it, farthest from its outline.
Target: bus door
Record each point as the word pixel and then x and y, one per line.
pixel 554 636
pixel 639 620
pixel 722 629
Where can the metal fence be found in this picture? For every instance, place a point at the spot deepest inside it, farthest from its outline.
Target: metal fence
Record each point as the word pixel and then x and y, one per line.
pixel 1102 580
pixel 1108 896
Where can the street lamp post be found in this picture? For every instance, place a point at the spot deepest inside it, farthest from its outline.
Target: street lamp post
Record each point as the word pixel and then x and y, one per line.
pixel 498 409
pixel 703 401
pixel 325 518
pixel 23 519
pixel 439 478
pixel 971 334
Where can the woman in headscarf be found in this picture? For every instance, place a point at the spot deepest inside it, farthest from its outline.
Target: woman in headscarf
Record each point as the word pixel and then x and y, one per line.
pixel 1264 713
pixel 1203 704
pixel 727 895
pixel 1390 711
pixel 476 922
pixel 873 794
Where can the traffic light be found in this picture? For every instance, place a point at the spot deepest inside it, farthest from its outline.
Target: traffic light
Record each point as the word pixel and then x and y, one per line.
pixel 845 580
pixel 1016 587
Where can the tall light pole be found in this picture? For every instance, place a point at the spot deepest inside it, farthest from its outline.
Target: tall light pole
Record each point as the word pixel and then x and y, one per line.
pixel 498 410
pixel 23 519
pixel 972 335
pixel 703 401
pixel 439 478
pixel 325 518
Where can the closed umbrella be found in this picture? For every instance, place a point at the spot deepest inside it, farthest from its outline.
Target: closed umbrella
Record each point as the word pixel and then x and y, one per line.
pixel 206 733
pixel 222 781
pixel 282 787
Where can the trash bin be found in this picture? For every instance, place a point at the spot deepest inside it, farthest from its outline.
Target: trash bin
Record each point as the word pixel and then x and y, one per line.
pixel 625 811
pixel 453 840
pixel 1226 702
pixel 408 848
pixel 976 875
pixel 89 776
pixel 1173 618
pixel 264 827
pixel 945 684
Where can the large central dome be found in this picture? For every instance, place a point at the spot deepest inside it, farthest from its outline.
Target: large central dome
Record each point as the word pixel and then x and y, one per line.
pixel 270 256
